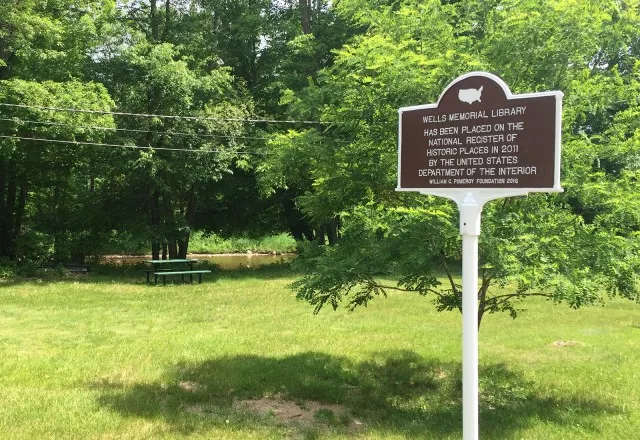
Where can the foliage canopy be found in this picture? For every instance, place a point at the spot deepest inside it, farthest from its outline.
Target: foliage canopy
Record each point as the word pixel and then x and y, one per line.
pixel 576 247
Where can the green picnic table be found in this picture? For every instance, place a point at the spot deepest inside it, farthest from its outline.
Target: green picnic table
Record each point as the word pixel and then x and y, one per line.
pixel 164 268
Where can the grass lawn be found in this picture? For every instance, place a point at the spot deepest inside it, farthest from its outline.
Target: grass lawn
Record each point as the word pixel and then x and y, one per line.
pixel 237 357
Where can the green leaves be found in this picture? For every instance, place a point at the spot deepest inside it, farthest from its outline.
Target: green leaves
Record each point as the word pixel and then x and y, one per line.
pixel 50 40
pixel 377 243
pixel 576 248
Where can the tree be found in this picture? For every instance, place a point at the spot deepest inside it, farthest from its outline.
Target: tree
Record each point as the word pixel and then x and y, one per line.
pixel 269 46
pixel 153 79
pixel 576 247
pixel 50 183
pixel 50 40
pixel 45 50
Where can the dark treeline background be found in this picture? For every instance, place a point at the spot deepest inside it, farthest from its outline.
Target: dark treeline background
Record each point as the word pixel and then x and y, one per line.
pixel 292 126
pixel 225 61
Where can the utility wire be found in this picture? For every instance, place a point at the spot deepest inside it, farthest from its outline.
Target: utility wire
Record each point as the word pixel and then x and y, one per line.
pixel 134 147
pixel 146 115
pixel 131 130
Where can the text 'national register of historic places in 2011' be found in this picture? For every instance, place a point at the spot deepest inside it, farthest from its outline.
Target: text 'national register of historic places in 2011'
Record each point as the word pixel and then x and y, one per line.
pixel 478 135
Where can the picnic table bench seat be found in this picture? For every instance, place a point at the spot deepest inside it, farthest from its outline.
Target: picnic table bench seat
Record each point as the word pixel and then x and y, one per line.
pixel 71 267
pixel 149 271
pixel 182 273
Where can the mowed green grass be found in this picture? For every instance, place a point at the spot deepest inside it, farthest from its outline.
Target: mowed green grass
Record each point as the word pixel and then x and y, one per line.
pixel 108 357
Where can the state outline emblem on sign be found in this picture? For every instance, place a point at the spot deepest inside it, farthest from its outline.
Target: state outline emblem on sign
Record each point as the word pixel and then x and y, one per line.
pixel 470 95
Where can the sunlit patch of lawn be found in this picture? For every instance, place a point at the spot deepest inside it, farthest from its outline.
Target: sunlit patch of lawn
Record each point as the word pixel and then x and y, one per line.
pixel 107 356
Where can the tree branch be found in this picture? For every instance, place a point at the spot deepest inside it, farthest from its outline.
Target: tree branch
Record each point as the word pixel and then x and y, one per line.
pixel 484 288
pixel 496 301
pixel 435 292
pixel 451 281
pixel 514 295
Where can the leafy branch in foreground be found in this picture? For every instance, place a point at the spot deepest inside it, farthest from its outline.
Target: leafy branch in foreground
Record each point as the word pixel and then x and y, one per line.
pixel 530 248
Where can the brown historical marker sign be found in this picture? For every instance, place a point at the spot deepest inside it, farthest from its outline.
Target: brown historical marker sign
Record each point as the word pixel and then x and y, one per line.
pixel 480 136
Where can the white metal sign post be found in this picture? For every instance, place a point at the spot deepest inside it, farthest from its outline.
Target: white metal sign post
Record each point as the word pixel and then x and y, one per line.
pixel 479 143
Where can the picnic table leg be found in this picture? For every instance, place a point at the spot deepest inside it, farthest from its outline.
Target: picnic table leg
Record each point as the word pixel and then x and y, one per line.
pixel 199 278
pixel 155 280
pixel 148 281
pixel 190 278
pixel 182 277
pixel 164 280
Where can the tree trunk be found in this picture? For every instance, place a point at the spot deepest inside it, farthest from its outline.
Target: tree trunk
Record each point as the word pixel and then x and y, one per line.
pixel 173 248
pixel 167 20
pixel 296 221
pixel 482 295
pixel 155 250
pixel 22 203
pixel 5 234
pixel 12 189
pixel 183 242
pixel 7 57
pixel 183 245
pixel 5 237
pixel 57 240
pixel 154 20
pixel 305 16
pixel 3 178
pixel 170 227
pixel 333 230
pixel 155 226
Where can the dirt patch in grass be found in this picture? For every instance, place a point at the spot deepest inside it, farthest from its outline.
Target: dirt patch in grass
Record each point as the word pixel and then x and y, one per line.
pixel 307 413
pixel 190 386
pixel 560 344
pixel 201 410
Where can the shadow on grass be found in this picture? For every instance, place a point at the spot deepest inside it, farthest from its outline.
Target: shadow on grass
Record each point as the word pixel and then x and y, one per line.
pixel 134 274
pixel 396 392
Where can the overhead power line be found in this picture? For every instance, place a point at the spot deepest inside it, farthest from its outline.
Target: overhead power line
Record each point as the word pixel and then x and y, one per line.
pixel 133 147
pixel 146 115
pixel 132 130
